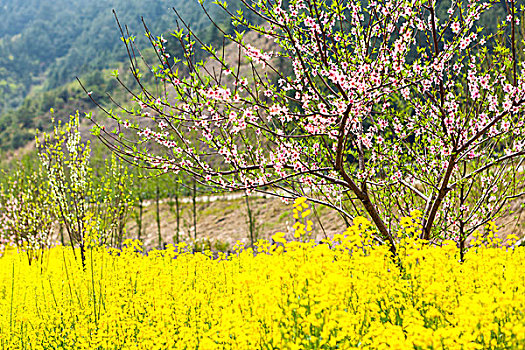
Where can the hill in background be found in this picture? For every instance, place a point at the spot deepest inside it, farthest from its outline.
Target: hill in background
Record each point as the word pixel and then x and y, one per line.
pixel 45 44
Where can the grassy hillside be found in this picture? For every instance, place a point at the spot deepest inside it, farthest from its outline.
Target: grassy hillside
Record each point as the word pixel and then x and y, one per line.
pixel 45 44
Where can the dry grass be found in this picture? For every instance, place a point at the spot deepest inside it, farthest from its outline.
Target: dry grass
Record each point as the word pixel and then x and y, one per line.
pixel 226 221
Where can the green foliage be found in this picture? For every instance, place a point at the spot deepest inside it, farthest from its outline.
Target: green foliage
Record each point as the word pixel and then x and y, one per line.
pixel 61 38
pixel 113 202
pixel 38 65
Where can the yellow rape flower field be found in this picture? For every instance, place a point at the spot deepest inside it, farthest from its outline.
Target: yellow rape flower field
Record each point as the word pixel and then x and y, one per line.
pixel 341 294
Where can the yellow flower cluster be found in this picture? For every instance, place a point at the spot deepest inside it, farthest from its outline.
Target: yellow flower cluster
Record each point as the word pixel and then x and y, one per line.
pixel 491 237
pixel 303 226
pixel 340 294
pixel 411 225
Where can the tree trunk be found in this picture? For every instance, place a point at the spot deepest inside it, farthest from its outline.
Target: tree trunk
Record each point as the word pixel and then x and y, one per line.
pixel 139 219
pixel 251 221
pixel 157 216
pixel 177 212
pixel 194 200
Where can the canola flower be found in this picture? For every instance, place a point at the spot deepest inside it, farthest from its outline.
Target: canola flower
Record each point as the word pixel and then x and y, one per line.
pixel 344 293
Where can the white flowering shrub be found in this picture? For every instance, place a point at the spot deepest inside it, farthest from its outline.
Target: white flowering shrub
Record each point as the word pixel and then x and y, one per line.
pixel 91 212
pixel 26 212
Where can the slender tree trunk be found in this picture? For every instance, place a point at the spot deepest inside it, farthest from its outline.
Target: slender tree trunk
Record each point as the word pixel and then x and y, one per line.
pixel 194 200
pixel 157 216
pixel 443 190
pixel 251 221
pixel 83 256
pixel 462 239
pixel 177 211
pixel 61 230
pixel 121 226
pixel 139 220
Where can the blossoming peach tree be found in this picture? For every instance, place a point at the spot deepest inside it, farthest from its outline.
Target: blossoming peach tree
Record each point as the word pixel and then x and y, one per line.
pixel 375 108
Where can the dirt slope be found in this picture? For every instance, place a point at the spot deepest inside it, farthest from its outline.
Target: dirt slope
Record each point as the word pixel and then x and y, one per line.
pixel 224 221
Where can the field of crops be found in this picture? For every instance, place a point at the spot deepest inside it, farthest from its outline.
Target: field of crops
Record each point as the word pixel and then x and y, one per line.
pixel 341 294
